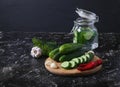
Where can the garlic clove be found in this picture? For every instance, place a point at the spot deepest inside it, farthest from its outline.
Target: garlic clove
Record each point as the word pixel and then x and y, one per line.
pixel 53 65
pixel 48 63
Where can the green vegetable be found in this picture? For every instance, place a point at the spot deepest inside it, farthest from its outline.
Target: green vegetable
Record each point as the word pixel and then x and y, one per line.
pixel 53 52
pixel 44 45
pixel 88 35
pixel 80 37
pixel 91 56
pixel 79 60
pixel 66 65
pixel 85 59
pixel 76 60
pixel 84 36
pixel 69 47
pixel 70 56
pixel 73 64
pixel 87 55
pixel 56 56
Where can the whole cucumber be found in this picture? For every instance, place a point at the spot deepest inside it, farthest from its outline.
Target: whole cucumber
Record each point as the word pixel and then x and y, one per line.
pixel 53 52
pixel 57 56
pixel 69 47
pixel 70 56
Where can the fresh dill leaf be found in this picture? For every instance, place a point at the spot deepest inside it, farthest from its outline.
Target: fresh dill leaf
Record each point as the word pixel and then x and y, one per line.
pixel 44 45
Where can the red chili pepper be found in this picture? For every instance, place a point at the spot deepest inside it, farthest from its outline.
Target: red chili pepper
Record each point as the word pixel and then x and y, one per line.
pixel 82 65
pixel 90 65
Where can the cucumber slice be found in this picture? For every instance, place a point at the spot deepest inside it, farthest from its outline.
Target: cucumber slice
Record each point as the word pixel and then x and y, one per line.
pixel 66 65
pixel 73 64
pixel 76 60
pixel 84 58
pixel 81 60
pixel 91 55
pixel 87 55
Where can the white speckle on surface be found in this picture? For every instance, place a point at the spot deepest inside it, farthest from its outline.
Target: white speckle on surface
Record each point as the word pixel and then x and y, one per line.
pixel 2 51
pixel 6 69
pixel 55 85
pixel 113 70
pixel 110 53
pixel 1 35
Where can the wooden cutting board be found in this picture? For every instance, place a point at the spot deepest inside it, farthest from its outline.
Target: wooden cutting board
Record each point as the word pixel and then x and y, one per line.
pixel 64 72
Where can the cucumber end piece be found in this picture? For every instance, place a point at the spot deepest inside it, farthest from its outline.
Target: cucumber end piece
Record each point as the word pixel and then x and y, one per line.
pixel 65 65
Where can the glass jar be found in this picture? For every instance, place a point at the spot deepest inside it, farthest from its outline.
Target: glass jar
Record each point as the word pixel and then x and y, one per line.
pixel 84 30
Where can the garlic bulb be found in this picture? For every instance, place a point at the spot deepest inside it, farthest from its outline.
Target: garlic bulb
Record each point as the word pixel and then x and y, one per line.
pixel 36 52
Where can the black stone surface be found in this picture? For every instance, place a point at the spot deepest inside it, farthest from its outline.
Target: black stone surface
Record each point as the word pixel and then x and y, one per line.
pixel 19 69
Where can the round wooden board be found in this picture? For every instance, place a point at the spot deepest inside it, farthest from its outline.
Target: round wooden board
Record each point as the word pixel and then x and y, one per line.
pixel 64 72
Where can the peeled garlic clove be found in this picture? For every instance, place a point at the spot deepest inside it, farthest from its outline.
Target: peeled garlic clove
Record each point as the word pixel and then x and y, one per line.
pixel 53 65
pixel 48 63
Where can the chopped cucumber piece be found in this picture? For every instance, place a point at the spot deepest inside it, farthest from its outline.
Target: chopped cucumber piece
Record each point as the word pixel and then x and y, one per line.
pixel 76 60
pixel 87 55
pixel 73 64
pixel 81 60
pixel 66 65
pixel 91 51
pixel 91 55
pixel 84 58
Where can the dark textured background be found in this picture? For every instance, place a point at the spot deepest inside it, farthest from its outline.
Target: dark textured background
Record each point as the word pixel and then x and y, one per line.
pixel 56 15
pixel 19 69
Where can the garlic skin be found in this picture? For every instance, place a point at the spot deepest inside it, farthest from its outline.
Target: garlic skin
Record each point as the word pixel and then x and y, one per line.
pixel 36 52
pixel 53 65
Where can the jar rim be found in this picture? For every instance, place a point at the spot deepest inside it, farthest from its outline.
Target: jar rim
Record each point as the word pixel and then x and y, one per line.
pixel 83 21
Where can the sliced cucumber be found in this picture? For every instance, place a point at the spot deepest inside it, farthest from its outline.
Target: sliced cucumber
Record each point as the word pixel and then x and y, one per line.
pixel 84 58
pixel 72 64
pixel 66 65
pixel 91 55
pixel 81 60
pixel 87 55
pixel 76 60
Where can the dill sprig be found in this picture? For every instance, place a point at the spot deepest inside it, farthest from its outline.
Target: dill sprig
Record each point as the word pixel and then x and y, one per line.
pixel 44 45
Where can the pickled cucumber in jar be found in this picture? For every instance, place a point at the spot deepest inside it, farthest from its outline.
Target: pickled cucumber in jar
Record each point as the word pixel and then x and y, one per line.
pixel 84 30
